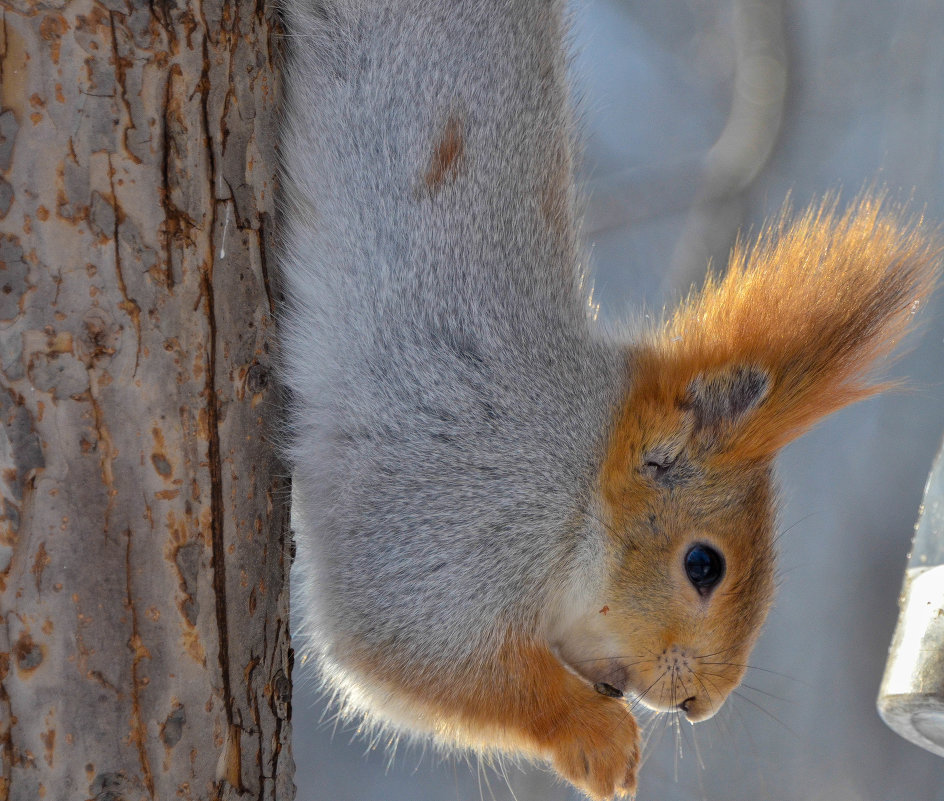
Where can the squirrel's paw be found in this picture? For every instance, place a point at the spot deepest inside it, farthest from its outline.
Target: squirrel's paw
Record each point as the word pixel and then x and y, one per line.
pixel 597 750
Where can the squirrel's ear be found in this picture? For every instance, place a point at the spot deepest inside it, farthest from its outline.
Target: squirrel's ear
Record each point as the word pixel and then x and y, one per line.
pixel 794 329
pixel 723 397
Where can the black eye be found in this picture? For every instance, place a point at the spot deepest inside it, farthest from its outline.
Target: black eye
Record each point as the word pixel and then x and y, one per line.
pixel 704 567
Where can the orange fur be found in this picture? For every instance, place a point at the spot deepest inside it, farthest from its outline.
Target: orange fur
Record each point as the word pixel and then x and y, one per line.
pixel 816 303
pixel 527 702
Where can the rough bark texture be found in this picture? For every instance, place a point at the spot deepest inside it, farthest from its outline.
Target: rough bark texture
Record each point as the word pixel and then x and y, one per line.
pixel 144 648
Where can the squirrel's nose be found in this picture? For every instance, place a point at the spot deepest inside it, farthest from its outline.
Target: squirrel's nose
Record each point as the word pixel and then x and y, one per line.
pixel 696 709
pixel 686 704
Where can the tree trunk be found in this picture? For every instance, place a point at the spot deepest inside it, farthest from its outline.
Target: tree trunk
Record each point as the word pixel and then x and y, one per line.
pixel 144 647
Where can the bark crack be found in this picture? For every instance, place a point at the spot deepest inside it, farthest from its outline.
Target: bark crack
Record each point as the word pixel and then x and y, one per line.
pixel 3 53
pixel 130 305
pixel 215 466
pixel 6 729
pixel 264 261
pixel 106 451
pixel 165 180
pixel 212 405
pixel 139 652
pixel 120 68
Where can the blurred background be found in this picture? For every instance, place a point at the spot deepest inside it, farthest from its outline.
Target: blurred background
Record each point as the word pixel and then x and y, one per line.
pixel 700 118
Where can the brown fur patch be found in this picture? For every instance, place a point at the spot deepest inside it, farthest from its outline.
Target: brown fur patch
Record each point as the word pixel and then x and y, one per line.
pixel 518 699
pixel 524 700
pixel 447 156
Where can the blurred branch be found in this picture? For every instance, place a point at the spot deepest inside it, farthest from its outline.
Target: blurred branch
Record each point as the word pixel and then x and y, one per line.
pixel 638 195
pixel 745 144
pixel 717 179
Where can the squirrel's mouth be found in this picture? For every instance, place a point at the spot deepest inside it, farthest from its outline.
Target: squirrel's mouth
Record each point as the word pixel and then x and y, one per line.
pixel 614 679
pixel 607 676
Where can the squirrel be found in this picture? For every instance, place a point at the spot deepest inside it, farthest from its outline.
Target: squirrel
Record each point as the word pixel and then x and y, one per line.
pixel 516 525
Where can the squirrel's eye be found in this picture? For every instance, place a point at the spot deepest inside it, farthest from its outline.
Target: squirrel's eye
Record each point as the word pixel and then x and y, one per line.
pixel 704 567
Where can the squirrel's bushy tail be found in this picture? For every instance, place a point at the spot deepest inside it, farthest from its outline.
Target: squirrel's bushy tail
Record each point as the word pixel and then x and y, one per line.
pixel 814 304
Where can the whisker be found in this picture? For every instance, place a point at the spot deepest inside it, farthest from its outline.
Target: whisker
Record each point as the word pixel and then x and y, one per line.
pixel 721 721
pixel 783 572
pixel 758 690
pixel 766 712
pixel 640 696
pixel 709 681
pixel 763 670
pixel 678 743
pixel 646 730
pixel 723 650
pixel 794 525
pixel 704 687
pixel 656 723
pixel 698 759
pixel 607 658
pixel 595 519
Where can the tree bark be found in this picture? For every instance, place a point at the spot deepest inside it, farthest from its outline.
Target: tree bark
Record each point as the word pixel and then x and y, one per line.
pixel 144 645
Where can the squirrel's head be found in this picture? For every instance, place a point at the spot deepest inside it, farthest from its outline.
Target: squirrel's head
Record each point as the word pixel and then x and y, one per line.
pixel 686 498
pixel 688 550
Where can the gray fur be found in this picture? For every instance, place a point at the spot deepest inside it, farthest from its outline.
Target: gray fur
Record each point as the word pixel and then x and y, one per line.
pixel 450 400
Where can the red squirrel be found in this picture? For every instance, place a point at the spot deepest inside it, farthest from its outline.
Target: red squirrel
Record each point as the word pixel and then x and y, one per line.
pixel 513 525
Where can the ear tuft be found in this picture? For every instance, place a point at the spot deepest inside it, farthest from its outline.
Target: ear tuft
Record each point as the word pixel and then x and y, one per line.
pixel 796 328
pixel 723 398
